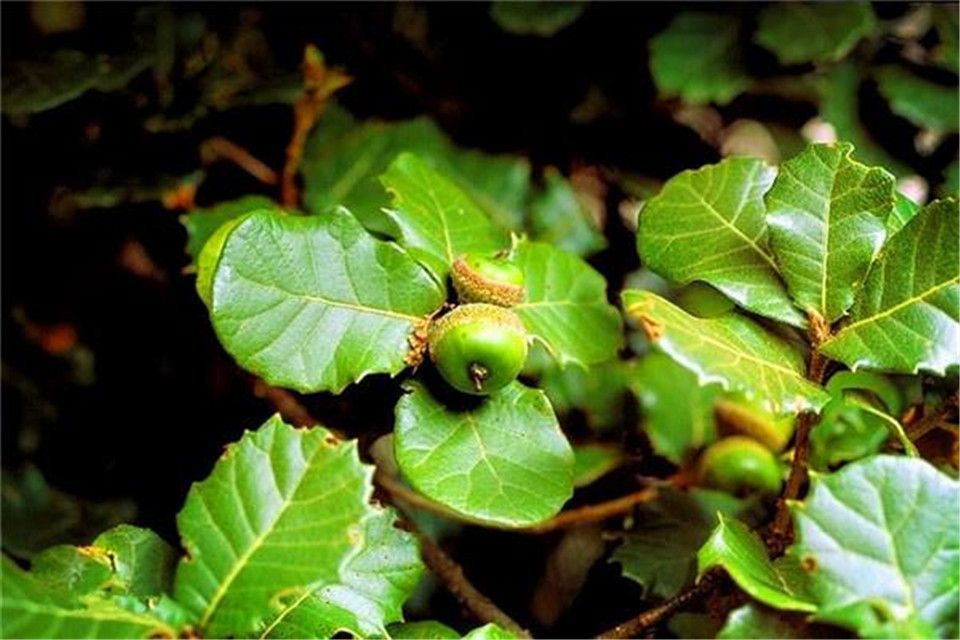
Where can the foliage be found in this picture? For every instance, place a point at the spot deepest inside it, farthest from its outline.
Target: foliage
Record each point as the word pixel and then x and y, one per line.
pixel 781 283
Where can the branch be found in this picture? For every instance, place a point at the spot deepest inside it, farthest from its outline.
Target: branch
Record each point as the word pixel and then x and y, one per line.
pixel 650 617
pixel 452 576
pixel 780 532
pixel 319 83
pixel 933 419
pixel 219 148
pixel 580 515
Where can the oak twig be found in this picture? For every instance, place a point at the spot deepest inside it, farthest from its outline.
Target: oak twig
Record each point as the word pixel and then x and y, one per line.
pixel 631 628
pixel 319 83
pixel 933 419
pixel 452 576
pixel 563 520
pixel 220 148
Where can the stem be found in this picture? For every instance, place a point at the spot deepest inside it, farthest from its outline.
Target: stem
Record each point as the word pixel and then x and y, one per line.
pixel 781 529
pixel 319 82
pixel 452 576
pixel 933 419
pixel 650 617
pixel 219 148
pixel 566 519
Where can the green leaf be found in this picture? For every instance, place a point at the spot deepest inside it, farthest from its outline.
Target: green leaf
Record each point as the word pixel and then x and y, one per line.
pixel 315 303
pixel 438 222
pixel 599 392
pixel 593 461
pixel 904 209
pixel 809 32
pixel 344 158
pixel 375 579
pixel 678 412
pixel 839 90
pixel 285 514
pixel 660 554
pixel 709 225
pixel 125 560
pixel 30 609
pixel 501 460
pixel 945 21
pixel 738 550
pixel 202 223
pixel 489 631
pixel 732 350
pixel 826 213
pixel 566 306
pixel 756 621
pixel 906 318
pixel 697 58
pixel 37 516
pixel 535 18
pixel 926 104
pixel 422 630
pixel 558 218
pixel 880 537
pixel 142 561
pixel 32 86
pixel 845 433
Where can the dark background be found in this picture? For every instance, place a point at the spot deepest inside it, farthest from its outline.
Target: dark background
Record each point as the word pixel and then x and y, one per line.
pixel 164 398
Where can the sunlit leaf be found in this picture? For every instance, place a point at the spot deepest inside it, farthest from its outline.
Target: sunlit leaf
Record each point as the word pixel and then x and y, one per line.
pixel 202 223
pixel 756 621
pixel 566 306
pixel 709 225
pixel 739 551
pixel 438 222
pixel 827 215
pixel 881 543
pixel 30 609
pixel 502 460
pixel 285 514
pixel 731 350
pixel 906 318
pixel 315 302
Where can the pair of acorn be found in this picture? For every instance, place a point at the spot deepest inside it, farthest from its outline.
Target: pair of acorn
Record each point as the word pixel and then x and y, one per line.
pixel 481 345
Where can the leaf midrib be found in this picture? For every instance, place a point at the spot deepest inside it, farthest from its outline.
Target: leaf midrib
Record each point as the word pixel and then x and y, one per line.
pixel 897 307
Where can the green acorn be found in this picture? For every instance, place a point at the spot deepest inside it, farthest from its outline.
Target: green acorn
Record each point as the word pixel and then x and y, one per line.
pixel 487 279
pixel 740 465
pixel 478 348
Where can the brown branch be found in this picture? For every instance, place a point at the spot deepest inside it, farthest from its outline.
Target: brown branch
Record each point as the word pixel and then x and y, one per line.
pixel 580 515
pixel 319 83
pixel 633 627
pixel 219 148
pixel 285 403
pixel 452 576
pixel 593 512
pixel 780 532
pixel 933 419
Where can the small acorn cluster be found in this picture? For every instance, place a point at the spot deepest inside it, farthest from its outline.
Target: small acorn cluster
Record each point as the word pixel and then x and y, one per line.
pixel 745 460
pixel 481 345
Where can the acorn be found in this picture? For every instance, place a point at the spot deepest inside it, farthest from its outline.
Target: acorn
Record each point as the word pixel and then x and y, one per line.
pixel 488 279
pixel 739 416
pixel 478 348
pixel 740 465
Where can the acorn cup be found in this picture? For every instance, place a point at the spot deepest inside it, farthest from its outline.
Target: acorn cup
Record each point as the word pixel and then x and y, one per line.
pixel 478 348
pixel 487 279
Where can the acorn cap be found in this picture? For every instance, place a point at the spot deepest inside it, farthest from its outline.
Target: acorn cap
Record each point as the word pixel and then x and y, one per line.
pixel 489 280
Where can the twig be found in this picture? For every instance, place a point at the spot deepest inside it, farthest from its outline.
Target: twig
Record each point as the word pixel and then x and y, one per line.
pixel 594 512
pixel 580 515
pixel 933 419
pixel 219 148
pixel 319 83
pixel 779 534
pixel 285 403
pixel 650 617
pixel 452 576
